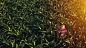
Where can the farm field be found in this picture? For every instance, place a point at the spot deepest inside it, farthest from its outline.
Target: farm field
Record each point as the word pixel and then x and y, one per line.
pixel 34 23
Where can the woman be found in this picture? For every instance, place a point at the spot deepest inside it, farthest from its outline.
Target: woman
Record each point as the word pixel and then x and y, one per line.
pixel 62 30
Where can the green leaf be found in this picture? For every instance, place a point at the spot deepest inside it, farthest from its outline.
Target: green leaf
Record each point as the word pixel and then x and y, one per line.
pixel 13 43
pixel 6 43
pixel 17 46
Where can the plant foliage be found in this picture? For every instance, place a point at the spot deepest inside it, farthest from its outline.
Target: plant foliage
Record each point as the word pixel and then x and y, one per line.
pixel 34 24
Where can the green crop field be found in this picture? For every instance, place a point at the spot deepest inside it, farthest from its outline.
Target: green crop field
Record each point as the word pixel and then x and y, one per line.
pixel 34 23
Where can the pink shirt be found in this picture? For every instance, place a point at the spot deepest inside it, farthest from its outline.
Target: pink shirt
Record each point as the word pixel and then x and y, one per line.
pixel 62 31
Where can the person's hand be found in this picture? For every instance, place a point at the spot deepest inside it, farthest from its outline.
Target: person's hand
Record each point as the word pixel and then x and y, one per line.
pixel 59 32
pixel 62 34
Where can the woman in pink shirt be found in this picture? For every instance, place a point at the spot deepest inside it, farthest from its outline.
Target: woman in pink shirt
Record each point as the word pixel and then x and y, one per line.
pixel 62 30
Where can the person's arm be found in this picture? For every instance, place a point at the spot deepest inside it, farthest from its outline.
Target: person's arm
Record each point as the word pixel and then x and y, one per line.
pixel 59 30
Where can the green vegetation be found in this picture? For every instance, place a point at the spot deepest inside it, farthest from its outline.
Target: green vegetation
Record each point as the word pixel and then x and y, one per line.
pixel 33 23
